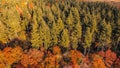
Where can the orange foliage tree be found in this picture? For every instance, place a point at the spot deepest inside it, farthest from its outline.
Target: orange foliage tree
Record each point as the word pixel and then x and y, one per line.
pixel 32 58
pixel 9 56
pixel 51 60
pixel 76 57
pixel 2 60
pixel 97 61
pixel 56 50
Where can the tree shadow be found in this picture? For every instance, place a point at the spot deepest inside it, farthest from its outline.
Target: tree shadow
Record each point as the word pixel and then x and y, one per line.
pixel 25 45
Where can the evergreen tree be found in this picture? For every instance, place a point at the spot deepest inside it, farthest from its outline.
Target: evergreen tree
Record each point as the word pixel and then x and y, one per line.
pixel 13 23
pixel 65 38
pixel 3 33
pixel 54 34
pixel 76 33
pixel 70 21
pixel 50 18
pixel 78 28
pixel 94 25
pixel 36 39
pixel 44 33
pixel 105 33
pixel 75 15
pixel 60 25
pixel 87 39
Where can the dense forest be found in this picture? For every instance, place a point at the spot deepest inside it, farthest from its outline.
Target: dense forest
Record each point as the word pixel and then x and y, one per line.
pixel 59 34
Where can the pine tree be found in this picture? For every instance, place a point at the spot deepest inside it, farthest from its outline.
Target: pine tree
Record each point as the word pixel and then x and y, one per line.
pixel 54 34
pixel 35 37
pixel 44 33
pixel 75 15
pixel 60 25
pixel 12 23
pixel 77 29
pixel 70 21
pixel 3 33
pixel 105 33
pixel 94 25
pixel 50 18
pixel 87 39
pixel 40 32
pixel 65 38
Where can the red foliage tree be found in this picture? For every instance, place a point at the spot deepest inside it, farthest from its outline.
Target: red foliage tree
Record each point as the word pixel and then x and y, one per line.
pixel 117 63
pixel 109 57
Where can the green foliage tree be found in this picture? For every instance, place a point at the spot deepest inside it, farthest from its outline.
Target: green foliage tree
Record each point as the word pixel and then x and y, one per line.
pixel 76 32
pixel 3 33
pixel 65 38
pixel 70 22
pixel 43 23
pixel 54 39
pixel 105 33
pixel 44 33
pixel 87 39
pixel 60 25
pixel 35 38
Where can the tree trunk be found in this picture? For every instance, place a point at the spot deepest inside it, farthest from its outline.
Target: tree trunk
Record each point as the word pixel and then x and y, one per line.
pixel 84 51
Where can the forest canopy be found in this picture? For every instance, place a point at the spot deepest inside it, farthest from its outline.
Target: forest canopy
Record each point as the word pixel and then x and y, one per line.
pixel 88 27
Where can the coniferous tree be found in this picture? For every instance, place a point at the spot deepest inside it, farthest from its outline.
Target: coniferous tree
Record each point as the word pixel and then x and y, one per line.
pixel 65 38
pixel 50 18
pixel 77 29
pixel 35 37
pixel 87 39
pixel 60 25
pixel 3 33
pixel 43 23
pixel 44 32
pixel 105 33
pixel 69 22
pixel 54 34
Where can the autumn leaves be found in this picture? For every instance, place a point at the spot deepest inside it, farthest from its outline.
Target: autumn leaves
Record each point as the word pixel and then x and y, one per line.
pixel 55 58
